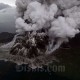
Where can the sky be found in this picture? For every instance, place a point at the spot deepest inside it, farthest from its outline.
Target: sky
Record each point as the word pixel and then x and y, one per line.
pixel 7 16
pixel 9 2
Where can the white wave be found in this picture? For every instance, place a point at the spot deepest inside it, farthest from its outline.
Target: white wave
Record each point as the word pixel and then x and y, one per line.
pixel 8 45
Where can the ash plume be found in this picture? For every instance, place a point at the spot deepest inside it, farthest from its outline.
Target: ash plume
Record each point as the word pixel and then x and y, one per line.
pixel 42 16
pixel 42 26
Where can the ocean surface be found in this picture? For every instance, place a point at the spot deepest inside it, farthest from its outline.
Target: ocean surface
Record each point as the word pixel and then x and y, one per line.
pixel 11 71
pixel 8 71
pixel 68 57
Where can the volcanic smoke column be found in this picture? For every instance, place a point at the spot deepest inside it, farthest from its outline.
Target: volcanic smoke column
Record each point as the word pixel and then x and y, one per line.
pixel 41 27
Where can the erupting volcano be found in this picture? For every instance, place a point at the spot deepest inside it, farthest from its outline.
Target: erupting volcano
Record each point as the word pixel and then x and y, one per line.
pixel 41 27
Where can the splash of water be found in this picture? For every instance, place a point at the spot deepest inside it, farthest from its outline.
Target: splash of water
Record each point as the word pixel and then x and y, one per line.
pixel 10 44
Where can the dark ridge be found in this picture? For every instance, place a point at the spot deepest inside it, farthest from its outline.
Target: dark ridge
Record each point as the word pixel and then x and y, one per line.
pixel 73 43
pixel 6 37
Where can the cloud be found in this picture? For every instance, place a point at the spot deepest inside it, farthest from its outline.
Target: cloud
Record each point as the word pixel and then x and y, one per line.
pixel 2 6
pixel 7 20
pixel 33 16
pixel 65 4
pixel 9 2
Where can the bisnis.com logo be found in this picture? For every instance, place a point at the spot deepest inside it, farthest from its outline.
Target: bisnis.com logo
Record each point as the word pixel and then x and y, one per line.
pixel 54 68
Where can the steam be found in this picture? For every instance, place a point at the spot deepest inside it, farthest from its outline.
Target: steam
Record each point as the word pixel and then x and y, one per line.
pixel 34 15
pixel 9 45
pixel 38 15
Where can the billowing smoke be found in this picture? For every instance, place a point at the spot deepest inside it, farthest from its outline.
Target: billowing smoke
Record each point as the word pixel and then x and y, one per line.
pixel 42 26
pixel 40 14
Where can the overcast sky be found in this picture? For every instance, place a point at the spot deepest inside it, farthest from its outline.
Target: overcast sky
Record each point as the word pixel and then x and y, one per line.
pixel 9 2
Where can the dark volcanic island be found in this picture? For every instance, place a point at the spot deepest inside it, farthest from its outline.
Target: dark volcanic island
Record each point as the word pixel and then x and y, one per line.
pixel 31 46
